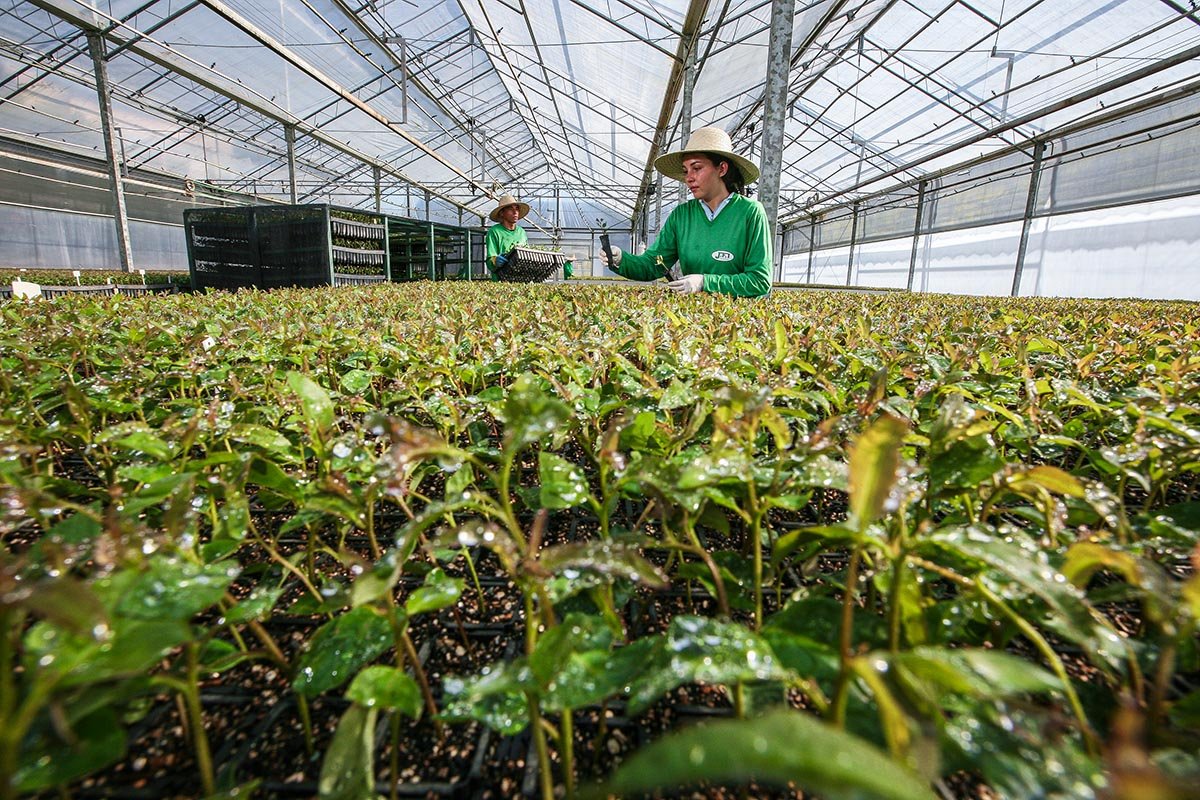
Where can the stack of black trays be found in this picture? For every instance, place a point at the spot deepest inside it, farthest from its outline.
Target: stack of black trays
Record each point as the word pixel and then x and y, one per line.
pixel 526 265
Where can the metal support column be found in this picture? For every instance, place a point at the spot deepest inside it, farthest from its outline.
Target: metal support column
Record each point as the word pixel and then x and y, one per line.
pixel 685 110
pixel 812 244
pixel 427 205
pixel 912 261
pixel 377 174
pixel 1039 151
pixel 779 63
pixel 853 241
pixel 289 133
pixel 120 215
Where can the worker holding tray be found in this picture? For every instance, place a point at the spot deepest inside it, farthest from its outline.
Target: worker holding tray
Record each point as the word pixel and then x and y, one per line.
pixel 720 238
pixel 506 233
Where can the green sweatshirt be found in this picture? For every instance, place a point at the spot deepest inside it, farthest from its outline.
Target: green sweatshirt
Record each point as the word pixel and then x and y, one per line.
pixel 500 240
pixel 733 252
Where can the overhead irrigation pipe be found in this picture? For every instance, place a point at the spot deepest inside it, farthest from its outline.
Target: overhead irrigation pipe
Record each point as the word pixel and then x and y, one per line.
pixel 89 19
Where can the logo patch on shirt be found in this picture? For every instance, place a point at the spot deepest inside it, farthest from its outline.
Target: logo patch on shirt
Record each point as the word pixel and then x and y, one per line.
pixel 722 255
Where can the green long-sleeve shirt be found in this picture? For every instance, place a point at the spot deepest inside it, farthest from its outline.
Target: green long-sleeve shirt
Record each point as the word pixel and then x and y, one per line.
pixel 500 240
pixel 733 251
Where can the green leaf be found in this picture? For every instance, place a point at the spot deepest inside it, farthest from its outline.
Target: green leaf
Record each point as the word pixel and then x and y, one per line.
pixel 377 581
pixel 175 589
pixel 262 437
pixel 348 771
pixel 975 671
pixel 439 591
pixel 495 698
pixel 964 464
pixel 340 648
pixel 1052 479
pixel 677 395
pixel 778 748
pixel 256 606
pixel 386 687
pixel 95 741
pixel 530 414
pixel 563 484
pixel 619 559
pixel 67 603
pixel 355 381
pixel 1067 613
pixel 873 465
pixel 696 649
pixel 314 400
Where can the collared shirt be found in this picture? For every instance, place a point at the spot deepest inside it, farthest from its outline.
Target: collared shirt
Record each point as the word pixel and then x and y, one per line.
pixel 708 212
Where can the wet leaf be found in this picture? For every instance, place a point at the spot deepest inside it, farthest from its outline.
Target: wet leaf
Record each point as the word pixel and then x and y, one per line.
pixel 389 688
pixel 96 741
pixel 340 648
pixel 563 484
pixel 695 649
pixel 172 588
pixel 438 591
pixel 496 697
pixel 965 464
pixel 348 771
pixel 776 749
pixel 973 671
pixel 355 381
pixel 873 464
pixel 314 400
pixel 618 559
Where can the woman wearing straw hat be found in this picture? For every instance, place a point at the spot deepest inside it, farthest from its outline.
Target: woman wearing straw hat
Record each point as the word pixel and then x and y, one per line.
pixel 506 233
pixel 720 238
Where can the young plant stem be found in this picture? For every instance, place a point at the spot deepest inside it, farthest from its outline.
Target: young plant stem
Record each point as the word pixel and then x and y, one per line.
pixel 566 744
pixel 1089 736
pixel 195 714
pixel 475 580
pixel 422 681
pixel 846 639
pixel 1163 673
pixel 699 549
pixel 305 722
pixel 545 776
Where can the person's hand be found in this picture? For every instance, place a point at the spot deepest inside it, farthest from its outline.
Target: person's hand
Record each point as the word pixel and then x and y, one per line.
pixel 616 252
pixel 688 284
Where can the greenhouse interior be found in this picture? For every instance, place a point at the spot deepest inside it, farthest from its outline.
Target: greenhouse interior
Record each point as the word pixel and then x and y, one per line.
pixel 595 399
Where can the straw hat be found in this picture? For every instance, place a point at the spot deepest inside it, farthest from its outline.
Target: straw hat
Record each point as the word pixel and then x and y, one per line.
pixel 503 202
pixel 706 140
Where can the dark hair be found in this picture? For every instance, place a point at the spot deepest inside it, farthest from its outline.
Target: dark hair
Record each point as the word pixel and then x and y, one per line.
pixel 734 182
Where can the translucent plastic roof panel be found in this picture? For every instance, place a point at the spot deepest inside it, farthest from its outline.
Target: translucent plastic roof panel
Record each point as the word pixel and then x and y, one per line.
pixel 567 101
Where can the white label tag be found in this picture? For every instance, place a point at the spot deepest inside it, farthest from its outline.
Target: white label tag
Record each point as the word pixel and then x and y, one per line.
pixel 208 343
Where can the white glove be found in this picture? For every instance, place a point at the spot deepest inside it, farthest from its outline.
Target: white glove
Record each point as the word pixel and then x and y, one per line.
pixel 688 284
pixel 616 251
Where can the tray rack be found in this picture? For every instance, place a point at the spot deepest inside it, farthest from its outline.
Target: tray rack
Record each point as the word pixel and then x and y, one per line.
pixel 526 265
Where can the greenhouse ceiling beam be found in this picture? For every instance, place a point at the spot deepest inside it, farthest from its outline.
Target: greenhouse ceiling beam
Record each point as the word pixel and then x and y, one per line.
pixel 409 74
pixel 541 62
pixel 835 10
pixel 1114 114
pixel 115 178
pixel 288 55
pixel 540 138
pixel 75 53
pixel 1182 57
pixel 624 29
pixel 688 39
pixel 1188 14
pixel 89 18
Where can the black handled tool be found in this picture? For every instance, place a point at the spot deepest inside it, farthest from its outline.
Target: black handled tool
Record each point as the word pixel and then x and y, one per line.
pixel 608 253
